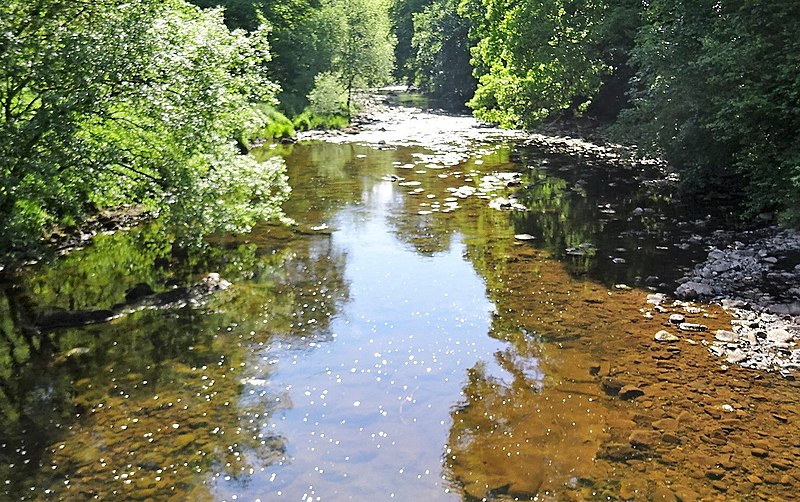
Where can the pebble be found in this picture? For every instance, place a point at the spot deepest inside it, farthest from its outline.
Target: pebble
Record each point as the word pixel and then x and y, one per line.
pixel 677 318
pixel 690 326
pixel 629 392
pixel 779 335
pixel 726 336
pixel 666 336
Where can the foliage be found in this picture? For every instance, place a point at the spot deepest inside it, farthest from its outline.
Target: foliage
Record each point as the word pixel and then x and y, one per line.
pixel 441 53
pixel 354 36
pixel 551 68
pixel 401 14
pixel 329 96
pixel 272 124
pixel 718 94
pixel 107 102
pixel 289 39
pixel 308 120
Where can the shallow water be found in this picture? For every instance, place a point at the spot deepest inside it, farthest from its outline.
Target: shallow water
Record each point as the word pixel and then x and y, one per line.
pixel 398 343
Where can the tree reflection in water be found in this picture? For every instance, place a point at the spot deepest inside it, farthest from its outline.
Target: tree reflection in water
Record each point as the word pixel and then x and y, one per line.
pixel 158 403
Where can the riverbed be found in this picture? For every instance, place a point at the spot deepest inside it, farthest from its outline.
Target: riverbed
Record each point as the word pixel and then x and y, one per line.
pixel 456 314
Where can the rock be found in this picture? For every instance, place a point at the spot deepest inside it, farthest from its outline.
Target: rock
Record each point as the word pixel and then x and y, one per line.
pixel 759 452
pixel 629 392
pixel 736 356
pixel 721 266
pixel 138 292
pixel 612 385
pixel 666 424
pixel 619 452
pixel 728 304
pixel 785 308
pixel 689 326
pixel 726 336
pixel 665 336
pixel 693 290
pixel 677 318
pixel 644 439
pixel 715 473
pixel 779 335
pixel 524 237
pixel 671 438
pixel 662 493
pixel 656 298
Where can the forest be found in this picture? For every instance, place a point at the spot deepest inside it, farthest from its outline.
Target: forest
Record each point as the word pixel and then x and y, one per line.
pixel 155 103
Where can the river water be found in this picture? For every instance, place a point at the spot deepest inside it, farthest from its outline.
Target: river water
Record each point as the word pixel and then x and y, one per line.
pixel 405 340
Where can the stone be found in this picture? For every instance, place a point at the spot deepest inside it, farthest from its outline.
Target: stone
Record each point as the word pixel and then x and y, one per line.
pixel 690 326
pixel 644 439
pixel 779 335
pixel 693 290
pixel 726 336
pixel 524 237
pixel 721 266
pixel 715 473
pixel 665 336
pixel 662 493
pixel 736 356
pixel 785 308
pixel 629 392
pixel 677 318
pixel 758 452
pixel 620 452
pixel 612 385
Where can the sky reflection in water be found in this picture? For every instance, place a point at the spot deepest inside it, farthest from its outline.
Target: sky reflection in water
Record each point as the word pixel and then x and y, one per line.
pixel 370 410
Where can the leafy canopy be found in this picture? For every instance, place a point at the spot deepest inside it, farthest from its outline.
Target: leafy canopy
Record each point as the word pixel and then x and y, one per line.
pixel 111 102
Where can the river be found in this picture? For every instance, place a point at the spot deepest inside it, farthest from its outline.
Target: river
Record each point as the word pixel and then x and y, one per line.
pixel 412 337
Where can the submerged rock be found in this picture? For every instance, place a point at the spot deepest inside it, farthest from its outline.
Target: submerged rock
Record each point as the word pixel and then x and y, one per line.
pixel 666 336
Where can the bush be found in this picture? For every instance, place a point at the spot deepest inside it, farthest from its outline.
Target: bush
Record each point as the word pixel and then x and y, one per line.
pixel 309 120
pixel 268 124
pixel 329 96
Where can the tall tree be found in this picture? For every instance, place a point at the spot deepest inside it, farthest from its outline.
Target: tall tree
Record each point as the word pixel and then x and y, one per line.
pixel 536 58
pixel 289 39
pixel 402 14
pixel 355 35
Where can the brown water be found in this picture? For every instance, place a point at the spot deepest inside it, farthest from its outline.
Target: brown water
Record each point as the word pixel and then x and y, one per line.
pixel 398 343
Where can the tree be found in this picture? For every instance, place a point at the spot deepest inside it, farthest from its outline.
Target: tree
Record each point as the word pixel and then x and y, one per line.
pixel 402 14
pixel 288 38
pixel 536 58
pixel 111 102
pixel 441 64
pixel 717 93
pixel 355 35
